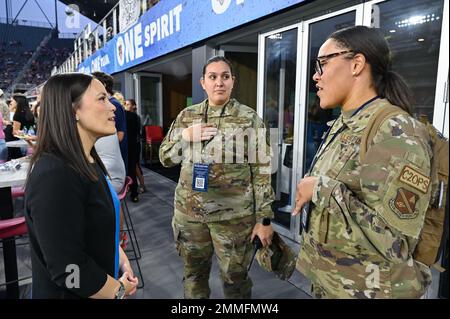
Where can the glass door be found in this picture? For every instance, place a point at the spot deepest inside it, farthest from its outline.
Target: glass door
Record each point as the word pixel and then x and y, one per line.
pixel 148 87
pixel 245 66
pixel 277 100
pixel 414 34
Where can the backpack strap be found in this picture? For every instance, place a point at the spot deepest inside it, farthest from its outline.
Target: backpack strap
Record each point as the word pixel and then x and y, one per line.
pixel 375 121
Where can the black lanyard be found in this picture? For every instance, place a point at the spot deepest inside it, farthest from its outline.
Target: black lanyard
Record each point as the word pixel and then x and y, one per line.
pixel 205 117
pixel 341 129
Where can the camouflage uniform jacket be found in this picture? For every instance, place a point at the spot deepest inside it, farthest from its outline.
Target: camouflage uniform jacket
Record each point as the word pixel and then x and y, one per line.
pixel 367 216
pixel 239 184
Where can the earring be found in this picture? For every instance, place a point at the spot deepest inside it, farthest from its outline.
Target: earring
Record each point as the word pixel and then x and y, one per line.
pixel 77 118
pixel 354 73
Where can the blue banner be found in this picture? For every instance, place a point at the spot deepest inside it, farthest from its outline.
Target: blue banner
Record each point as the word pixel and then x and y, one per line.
pixel 174 24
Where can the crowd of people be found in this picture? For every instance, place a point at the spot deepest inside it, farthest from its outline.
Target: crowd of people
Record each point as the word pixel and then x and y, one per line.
pixel 14 57
pixel 40 68
pixel 356 213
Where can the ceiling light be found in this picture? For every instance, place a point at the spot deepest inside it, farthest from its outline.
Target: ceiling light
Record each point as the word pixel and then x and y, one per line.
pixel 416 19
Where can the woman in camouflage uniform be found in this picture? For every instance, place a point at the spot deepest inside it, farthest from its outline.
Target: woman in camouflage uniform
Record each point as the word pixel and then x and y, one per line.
pixel 224 191
pixel 366 215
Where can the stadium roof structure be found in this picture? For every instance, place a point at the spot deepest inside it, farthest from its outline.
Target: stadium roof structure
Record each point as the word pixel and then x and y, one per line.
pixel 95 10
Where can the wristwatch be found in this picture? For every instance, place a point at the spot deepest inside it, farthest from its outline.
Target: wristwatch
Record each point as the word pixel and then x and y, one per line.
pixel 120 294
pixel 265 221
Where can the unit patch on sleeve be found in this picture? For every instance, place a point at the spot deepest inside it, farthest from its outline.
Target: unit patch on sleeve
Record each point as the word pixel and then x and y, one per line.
pixel 413 178
pixel 404 203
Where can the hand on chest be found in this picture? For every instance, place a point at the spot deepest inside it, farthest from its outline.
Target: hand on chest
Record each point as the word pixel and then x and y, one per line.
pixel 235 139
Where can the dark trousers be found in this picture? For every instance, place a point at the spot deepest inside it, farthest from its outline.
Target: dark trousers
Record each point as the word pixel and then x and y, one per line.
pixel 132 161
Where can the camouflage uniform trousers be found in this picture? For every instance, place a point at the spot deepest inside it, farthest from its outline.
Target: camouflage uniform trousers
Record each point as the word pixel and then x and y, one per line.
pixel 230 240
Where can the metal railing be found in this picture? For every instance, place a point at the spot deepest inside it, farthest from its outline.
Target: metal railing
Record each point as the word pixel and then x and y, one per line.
pixel 90 40
pixel 27 23
pixel 21 86
pixel 67 35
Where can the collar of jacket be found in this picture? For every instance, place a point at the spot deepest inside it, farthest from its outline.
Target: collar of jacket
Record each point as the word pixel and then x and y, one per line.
pixel 231 109
pixel 359 122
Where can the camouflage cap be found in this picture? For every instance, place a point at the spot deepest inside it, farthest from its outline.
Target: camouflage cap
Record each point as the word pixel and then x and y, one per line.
pixel 277 258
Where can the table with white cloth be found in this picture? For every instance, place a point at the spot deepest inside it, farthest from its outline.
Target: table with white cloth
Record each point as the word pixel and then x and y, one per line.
pixel 18 143
pixel 8 179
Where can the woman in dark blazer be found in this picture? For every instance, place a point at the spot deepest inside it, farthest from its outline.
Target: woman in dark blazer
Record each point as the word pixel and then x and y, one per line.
pixel 70 208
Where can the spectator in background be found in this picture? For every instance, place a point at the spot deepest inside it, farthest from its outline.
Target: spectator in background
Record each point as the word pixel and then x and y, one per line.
pixel 8 128
pixel 119 97
pixel 4 108
pixel 36 110
pixel 12 110
pixel 3 148
pixel 4 122
pixel 23 118
pixel 121 125
pixel 32 138
pixel 37 105
pixel 108 149
pixel 133 129
pixel 130 105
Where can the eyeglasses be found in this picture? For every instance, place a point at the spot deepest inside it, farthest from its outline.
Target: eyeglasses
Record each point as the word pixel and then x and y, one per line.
pixel 323 58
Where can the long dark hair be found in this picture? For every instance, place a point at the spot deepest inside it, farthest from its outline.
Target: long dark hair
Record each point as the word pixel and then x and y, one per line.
pixel 58 133
pixel 132 101
pixel 23 106
pixel 370 43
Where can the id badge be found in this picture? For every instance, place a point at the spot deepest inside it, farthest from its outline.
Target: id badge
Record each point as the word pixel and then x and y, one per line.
pixel 304 217
pixel 200 177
